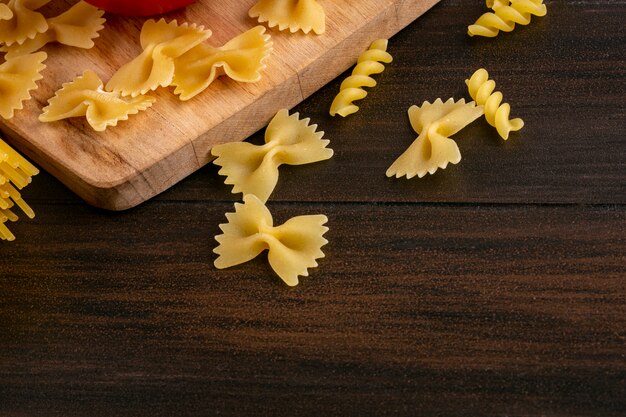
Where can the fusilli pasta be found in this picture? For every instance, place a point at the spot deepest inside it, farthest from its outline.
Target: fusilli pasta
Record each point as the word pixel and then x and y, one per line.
pixel 351 89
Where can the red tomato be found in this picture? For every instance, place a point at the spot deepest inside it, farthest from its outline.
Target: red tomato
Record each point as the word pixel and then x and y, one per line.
pixel 139 7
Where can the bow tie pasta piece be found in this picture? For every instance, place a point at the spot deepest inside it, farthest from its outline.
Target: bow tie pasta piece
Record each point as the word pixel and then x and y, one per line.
pixel 76 27
pixel 242 59
pixel 15 174
pixel 5 12
pixel 85 97
pixel 161 42
pixel 305 15
pixel 497 114
pixel 433 149
pixel 351 88
pixel 21 21
pixel 253 169
pixel 292 247
pixel 18 77
pixel 505 15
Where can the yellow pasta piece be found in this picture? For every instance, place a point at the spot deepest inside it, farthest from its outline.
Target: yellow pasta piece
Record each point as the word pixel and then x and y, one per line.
pixel 481 90
pixel 242 59
pixel 15 174
pixel 351 89
pixel 5 12
pixel 293 247
pixel 18 77
pixel 505 15
pixel 21 22
pixel 433 149
pixel 84 96
pixel 295 15
pixel 76 27
pixel 253 169
pixel 161 42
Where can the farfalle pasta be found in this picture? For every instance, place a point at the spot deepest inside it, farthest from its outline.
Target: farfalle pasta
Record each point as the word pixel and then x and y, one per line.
pixel 481 89
pixel 15 174
pixel 295 15
pixel 20 21
pixel 18 77
pixel 253 169
pixel 242 59
pixel 351 89
pixel 85 96
pixel 505 15
pixel 433 149
pixel 293 247
pixel 5 12
pixel 76 27
pixel 162 43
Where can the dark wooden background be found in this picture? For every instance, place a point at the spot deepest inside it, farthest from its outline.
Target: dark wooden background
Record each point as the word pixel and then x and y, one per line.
pixel 496 287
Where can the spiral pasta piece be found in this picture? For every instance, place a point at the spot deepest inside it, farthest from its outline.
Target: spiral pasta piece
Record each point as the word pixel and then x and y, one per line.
pixel 505 16
pixel 481 89
pixel 351 89
pixel 15 174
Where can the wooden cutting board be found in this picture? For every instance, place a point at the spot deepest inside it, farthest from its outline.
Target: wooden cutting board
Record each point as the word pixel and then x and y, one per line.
pixel 141 157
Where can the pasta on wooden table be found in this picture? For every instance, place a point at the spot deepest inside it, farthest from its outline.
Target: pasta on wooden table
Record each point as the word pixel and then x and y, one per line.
pixel 242 59
pixel 85 96
pixel 20 21
pixel 253 169
pixel 162 43
pixel 293 247
pixel 505 15
pixel 77 27
pixel 18 77
pixel 481 89
pixel 433 149
pixel 295 15
pixel 351 88
pixel 15 174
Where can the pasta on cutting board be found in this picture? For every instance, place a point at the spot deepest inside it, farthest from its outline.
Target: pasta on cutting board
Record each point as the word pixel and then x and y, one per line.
pixel 18 77
pixel 241 59
pixel 295 15
pixel 85 96
pixel 162 42
pixel 77 27
pixel 21 21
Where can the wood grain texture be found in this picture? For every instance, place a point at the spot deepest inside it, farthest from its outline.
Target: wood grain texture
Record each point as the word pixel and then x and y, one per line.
pixel 413 304
pixel 495 288
pixel 129 164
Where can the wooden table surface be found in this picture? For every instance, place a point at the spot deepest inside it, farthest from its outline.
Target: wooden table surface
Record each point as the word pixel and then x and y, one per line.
pixel 495 287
